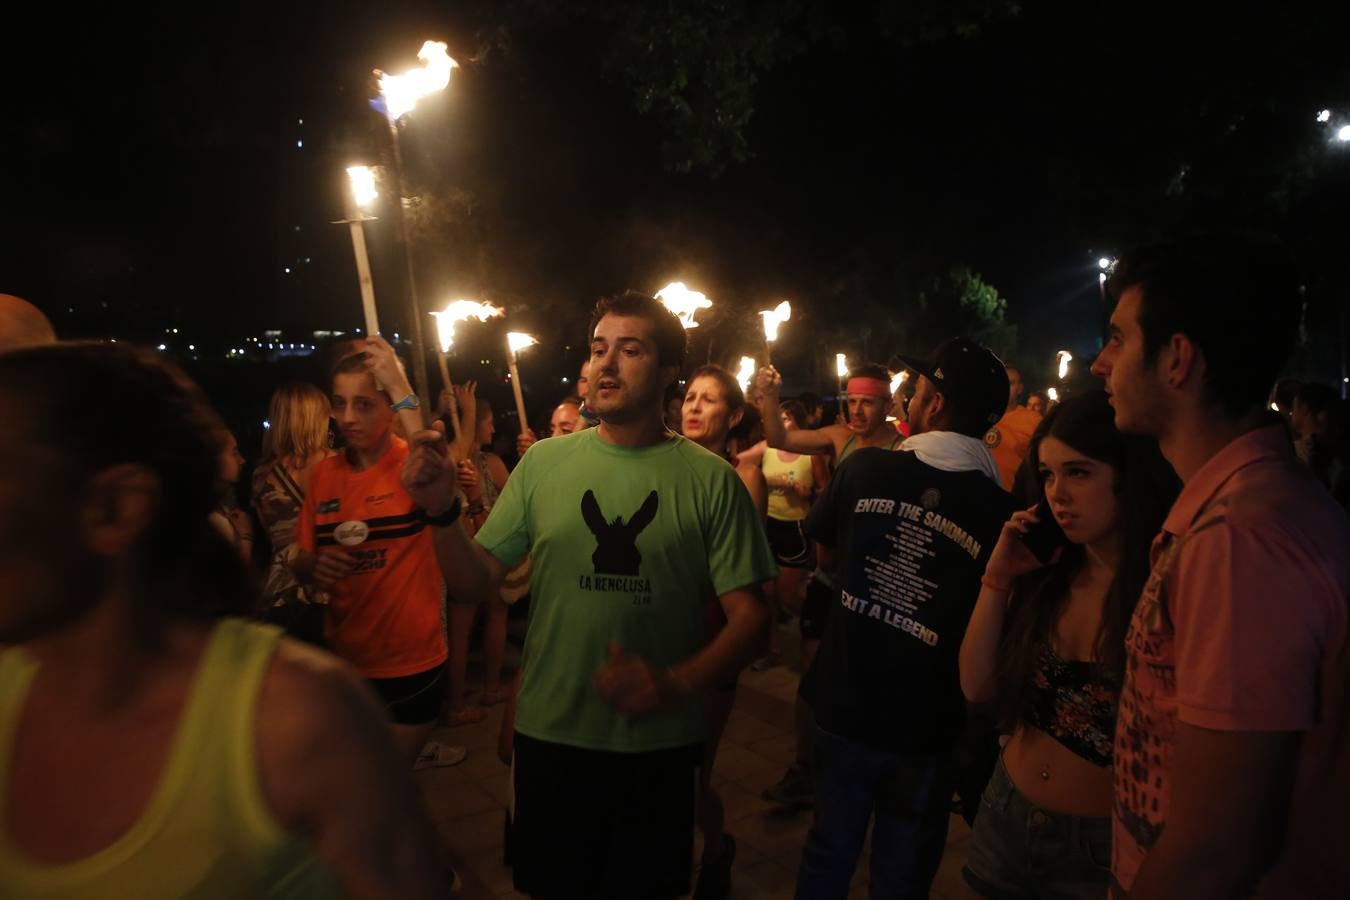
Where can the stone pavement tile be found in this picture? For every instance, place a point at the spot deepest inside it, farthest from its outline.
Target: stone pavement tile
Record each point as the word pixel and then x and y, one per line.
pixel 769 877
pixel 743 728
pixel 735 763
pixel 739 801
pixel 773 835
pixel 458 801
pixel 949 883
pixel 769 678
pixel 781 748
pixel 757 781
pixel 766 707
pixel 487 867
pixel 497 786
pixel 746 855
pixel 432 780
pixel 473 835
pixel 478 736
pixel 957 830
pixel 481 764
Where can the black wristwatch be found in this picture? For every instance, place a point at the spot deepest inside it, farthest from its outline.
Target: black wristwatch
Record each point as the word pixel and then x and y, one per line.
pixel 449 517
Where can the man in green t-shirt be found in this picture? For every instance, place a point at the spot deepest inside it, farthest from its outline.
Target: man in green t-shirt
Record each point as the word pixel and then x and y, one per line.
pixel 632 532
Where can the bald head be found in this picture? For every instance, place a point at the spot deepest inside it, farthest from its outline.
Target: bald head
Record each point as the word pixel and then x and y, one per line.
pixel 22 324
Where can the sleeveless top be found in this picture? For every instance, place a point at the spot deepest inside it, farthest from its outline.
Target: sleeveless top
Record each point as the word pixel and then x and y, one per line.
pixel 1074 701
pixel 517 581
pixel 490 491
pixel 853 438
pixel 785 504
pixel 206 832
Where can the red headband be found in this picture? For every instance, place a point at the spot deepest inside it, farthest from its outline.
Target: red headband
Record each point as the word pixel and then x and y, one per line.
pixel 871 387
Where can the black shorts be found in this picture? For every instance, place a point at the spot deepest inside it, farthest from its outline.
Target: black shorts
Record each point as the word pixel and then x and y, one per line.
pixel 590 823
pixel 789 543
pixel 816 607
pixel 412 699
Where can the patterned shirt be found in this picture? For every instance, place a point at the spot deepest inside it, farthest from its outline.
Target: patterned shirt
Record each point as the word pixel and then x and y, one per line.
pixel 1244 609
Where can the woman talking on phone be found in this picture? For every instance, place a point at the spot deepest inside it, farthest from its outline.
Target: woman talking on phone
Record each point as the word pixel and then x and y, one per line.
pixel 1046 646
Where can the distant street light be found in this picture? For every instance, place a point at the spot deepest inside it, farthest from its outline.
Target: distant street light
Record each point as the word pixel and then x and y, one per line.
pixel 1104 264
pixel 1324 116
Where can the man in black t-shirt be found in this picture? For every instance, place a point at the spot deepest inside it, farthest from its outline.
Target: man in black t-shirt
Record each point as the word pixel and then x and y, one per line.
pixel 910 534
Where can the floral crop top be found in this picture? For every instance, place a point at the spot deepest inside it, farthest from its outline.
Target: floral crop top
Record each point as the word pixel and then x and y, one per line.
pixel 1074 701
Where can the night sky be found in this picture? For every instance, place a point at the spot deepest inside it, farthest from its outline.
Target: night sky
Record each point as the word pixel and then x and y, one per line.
pixel 163 171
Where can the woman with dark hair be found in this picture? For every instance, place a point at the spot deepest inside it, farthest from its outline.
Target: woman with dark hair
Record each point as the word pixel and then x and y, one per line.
pixel 228 517
pixel 231 761
pixel 715 418
pixel 1046 644
pixel 714 408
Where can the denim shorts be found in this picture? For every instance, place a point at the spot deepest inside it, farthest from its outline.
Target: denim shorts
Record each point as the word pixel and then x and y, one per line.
pixel 1020 851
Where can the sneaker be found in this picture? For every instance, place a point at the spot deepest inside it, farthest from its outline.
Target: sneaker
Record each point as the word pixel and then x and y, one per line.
pixel 794 790
pixel 714 879
pixel 764 663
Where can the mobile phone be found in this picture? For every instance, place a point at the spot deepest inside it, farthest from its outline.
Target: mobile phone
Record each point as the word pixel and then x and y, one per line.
pixel 1044 536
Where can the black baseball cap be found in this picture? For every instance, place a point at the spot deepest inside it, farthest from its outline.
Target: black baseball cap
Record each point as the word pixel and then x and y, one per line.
pixel 969 375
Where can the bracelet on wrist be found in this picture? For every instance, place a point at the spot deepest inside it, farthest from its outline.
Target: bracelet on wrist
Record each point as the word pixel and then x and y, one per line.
pixel 410 401
pixel 1002 587
pixel 449 517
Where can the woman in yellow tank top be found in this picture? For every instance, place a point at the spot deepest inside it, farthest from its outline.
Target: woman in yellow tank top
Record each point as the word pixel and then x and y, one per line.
pixel 791 481
pixel 151 747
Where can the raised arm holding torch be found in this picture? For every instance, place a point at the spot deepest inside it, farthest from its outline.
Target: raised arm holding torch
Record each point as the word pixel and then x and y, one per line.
pixel 446 320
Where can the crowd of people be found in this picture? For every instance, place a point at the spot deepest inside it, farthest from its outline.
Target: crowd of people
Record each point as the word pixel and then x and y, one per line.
pixel 1111 631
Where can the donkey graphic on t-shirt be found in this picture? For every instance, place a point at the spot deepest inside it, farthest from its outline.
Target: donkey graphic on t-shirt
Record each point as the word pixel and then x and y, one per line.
pixel 616 551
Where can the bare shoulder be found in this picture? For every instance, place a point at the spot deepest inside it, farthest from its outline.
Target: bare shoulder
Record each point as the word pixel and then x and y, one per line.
pixel 749 470
pixel 307 688
pixel 753 455
pixel 312 706
pixel 496 469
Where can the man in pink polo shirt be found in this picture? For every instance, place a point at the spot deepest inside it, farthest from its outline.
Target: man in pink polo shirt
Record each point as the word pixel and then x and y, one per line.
pixel 1223 755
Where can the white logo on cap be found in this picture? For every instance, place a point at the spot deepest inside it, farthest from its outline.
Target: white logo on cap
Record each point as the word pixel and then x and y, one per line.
pixel 349 534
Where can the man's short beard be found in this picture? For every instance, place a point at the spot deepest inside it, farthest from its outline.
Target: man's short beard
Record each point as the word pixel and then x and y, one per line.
pixel 632 412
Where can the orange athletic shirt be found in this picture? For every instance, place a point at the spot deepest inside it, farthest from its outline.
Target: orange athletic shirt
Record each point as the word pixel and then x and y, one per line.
pixel 385 617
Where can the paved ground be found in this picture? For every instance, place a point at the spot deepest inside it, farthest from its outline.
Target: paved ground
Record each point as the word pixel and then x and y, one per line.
pixel 468 801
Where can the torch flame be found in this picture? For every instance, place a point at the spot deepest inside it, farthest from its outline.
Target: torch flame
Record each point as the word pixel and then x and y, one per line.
pixel 746 372
pixel 401 92
pixel 775 317
pixel 517 342
pixel 1052 394
pixel 1063 358
pixel 840 365
pixel 683 302
pixel 898 379
pixel 363 184
pixel 457 312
